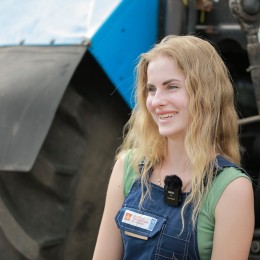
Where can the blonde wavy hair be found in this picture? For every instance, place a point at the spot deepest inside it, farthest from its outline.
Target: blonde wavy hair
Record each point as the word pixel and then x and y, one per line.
pixel 212 127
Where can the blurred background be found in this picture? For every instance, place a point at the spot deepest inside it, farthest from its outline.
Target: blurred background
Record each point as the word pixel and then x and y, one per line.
pixel 66 91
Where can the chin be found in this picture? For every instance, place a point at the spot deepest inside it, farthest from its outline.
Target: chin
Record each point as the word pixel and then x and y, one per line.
pixel 166 134
pixel 172 134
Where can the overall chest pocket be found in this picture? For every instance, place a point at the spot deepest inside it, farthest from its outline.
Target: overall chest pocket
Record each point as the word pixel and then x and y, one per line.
pixel 148 236
pixel 142 225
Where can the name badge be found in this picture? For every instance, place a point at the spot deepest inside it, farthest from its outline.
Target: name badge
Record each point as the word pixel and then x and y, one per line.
pixel 139 220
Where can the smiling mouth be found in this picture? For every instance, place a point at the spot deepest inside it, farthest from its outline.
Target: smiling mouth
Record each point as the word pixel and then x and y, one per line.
pixel 169 115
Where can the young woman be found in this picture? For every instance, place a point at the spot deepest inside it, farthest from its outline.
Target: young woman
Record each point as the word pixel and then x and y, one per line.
pixel 176 189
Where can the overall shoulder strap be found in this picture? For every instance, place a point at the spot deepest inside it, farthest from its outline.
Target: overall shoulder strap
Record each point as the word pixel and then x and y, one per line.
pixel 223 163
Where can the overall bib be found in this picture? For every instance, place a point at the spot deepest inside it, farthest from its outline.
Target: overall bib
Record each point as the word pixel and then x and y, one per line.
pixel 155 230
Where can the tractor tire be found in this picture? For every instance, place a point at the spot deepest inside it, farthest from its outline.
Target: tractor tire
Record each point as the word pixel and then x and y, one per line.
pixel 53 212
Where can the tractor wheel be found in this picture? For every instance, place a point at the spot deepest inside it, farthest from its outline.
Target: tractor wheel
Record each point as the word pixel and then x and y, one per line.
pixel 53 212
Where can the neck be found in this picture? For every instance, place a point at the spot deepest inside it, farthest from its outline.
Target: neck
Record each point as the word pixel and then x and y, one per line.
pixel 176 163
pixel 176 157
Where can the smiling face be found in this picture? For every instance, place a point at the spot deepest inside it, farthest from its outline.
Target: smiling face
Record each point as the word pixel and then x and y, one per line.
pixel 167 99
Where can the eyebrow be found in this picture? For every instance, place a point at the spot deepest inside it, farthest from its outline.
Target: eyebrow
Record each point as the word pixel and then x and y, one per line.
pixel 164 83
pixel 170 80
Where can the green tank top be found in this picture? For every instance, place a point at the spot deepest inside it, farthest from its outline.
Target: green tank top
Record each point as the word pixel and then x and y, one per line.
pixel 206 218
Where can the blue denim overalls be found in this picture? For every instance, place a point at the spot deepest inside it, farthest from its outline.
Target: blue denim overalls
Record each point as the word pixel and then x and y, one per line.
pixel 154 231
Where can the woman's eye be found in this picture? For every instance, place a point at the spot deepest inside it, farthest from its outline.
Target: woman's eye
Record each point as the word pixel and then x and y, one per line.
pixel 150 89
pixel 172 86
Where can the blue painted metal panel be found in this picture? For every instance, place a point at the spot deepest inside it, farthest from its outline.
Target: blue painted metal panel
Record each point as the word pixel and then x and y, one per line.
pixel 130 30
pixel 52 22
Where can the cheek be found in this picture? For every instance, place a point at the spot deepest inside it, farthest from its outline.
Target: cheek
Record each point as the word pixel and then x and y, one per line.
pixel 150 110
pixel 184 101
pixel 149 104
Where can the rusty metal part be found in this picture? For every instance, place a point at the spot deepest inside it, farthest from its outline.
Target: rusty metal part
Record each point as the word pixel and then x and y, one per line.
pixel 204 5
pixel 247 13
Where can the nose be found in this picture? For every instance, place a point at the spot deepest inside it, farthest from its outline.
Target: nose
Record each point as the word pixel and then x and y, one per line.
pixel 160 98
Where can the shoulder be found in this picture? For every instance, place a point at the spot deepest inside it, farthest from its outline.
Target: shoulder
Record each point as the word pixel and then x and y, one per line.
pixel 227 180
pixel 237 187
pixel 123 168
pixel 117 176
pixel 230 176
pixel 123 157
pixel 234 188
pixel 118 169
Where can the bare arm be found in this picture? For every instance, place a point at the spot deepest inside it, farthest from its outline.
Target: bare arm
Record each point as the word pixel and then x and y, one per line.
pixel 234 224
pixel 109 244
